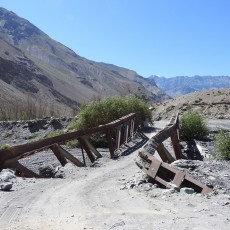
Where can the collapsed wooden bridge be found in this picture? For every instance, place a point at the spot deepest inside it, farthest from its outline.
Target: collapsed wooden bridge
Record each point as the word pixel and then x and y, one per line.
pixel 117 133
pixel 160 170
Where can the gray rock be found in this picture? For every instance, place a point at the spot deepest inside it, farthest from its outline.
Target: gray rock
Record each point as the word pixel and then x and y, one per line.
pixel 7 175
pixel 187 190
pixel 59 172
pixel 6 186
pixel 47 171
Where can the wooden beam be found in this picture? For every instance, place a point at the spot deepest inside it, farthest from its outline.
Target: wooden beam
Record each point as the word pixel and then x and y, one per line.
pixel 176 145
pixel 161 151
pixel 59 155
pixel 69 156
pixel 91 147
pixel 87 149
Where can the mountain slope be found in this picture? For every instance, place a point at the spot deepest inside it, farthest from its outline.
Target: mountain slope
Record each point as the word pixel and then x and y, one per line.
pixel 213 103
pixel 181 85
pixel 45 69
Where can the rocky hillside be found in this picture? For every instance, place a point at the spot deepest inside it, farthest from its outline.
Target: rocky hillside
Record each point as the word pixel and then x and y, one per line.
pixel 177 86
pixel 210 103
pixel 34 65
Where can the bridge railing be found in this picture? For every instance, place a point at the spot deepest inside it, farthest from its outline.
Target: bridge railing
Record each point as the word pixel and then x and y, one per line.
pixel 123 128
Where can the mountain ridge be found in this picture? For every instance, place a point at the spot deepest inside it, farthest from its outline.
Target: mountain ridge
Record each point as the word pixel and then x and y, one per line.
pixel 61 76
pixel 180 85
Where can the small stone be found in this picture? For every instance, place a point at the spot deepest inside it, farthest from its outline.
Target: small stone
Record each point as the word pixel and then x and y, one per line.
pixel 7 175
pixel 211 178
pixel 132 186
pixel 6 186
pixel 173 186
pixel 187 190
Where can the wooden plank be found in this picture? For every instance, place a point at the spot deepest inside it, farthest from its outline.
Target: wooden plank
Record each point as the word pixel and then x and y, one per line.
pixel 26 171
pixel 154 167
pixel 69 156
pixel 169 156
pixel 86 148
pixel 59 155
pixel 176 145
pixel 161 151
pixel 91 147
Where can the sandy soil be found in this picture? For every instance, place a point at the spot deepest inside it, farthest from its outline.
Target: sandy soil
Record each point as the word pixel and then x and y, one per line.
pixel 98 198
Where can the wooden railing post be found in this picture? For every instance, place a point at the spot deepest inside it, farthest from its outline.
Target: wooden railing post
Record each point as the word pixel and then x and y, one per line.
pixel 176 145
pixel 110 143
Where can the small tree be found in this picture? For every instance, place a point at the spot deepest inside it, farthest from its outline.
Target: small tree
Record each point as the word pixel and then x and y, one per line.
pixel 222 145
pixel 193 126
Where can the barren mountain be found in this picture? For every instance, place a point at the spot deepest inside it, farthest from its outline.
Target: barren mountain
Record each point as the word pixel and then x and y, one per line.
pixel 34 65
pixel 180 85
pixel 210 103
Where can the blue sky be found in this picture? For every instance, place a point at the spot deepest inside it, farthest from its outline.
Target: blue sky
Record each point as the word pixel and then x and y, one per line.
pixel 164 37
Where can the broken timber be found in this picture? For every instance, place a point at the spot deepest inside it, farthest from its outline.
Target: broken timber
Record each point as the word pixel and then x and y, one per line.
pixel 164 174
pixel 161 171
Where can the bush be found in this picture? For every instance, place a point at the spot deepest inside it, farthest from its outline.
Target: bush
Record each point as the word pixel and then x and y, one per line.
pixel 193 126
pixel 222 145
pixel 110 109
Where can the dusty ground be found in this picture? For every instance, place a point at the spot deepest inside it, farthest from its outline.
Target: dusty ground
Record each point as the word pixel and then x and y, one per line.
pixel 99 197
pixel 211 103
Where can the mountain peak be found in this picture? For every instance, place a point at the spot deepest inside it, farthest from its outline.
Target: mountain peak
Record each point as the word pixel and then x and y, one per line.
pixel 16 27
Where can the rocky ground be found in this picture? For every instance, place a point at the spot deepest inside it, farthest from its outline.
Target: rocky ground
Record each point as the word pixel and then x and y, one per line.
pixel 213 104
pixel 113 194
pixel 21 132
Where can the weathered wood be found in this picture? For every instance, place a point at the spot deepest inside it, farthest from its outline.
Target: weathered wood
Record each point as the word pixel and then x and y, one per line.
pixel 87 149
pixel 59 155
pixel 176 146
pixel 26 171
pixel 31 148
pixel 169 156
pixel 14 164
pixel 161 151
pixel 91 147
pixel 164 174
pixel 110 143
pixel 69 156
pixel 118 137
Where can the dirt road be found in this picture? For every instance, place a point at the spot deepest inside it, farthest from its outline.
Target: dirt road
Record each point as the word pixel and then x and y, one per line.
pixel 96 198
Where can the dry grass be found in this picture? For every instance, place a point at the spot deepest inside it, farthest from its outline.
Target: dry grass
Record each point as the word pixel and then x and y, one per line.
pixel 27 110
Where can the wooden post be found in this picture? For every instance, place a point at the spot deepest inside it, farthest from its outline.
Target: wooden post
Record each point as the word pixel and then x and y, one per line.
pixel 58 154
pixel 126 132
pixel 87 149
pixel 91 147
pixel 118 137
pixel 13 163
pixel 176 146
pixel 110 143
pixel 70 157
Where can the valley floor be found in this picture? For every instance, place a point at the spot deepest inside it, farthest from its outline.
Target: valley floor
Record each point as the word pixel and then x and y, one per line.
pixel 97 198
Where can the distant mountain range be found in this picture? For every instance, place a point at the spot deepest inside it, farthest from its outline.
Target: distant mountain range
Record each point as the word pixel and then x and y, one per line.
pixel 34 65
pixel 180 85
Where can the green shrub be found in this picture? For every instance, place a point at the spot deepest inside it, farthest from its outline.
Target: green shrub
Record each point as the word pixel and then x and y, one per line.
pixel 72 144
pixel 222 145
pixel 193 126
pixel 110 109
